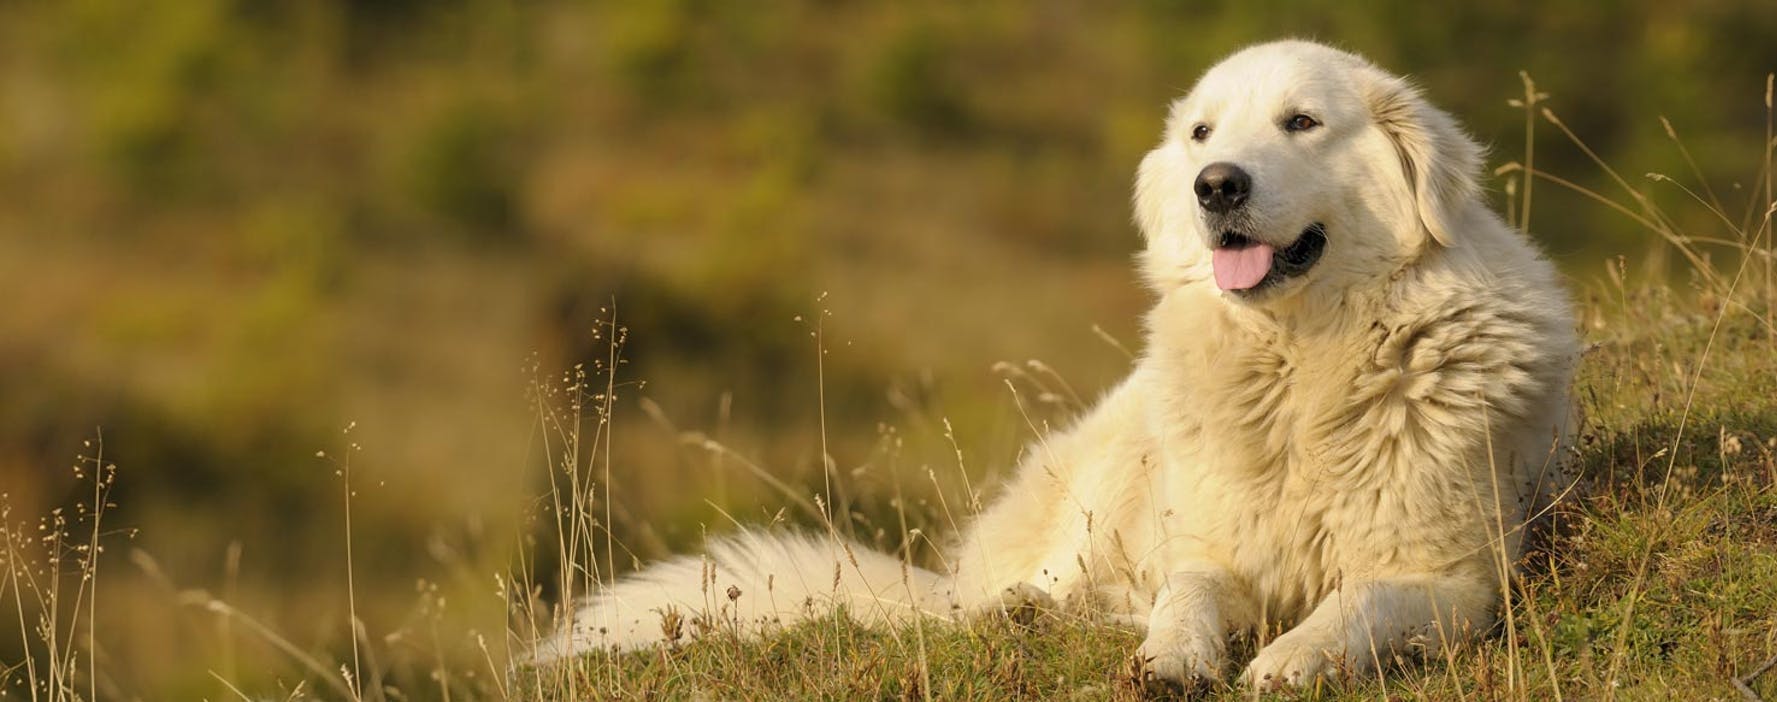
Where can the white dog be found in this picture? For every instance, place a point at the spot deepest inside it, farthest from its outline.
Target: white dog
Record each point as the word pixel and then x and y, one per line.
pixel 1352 396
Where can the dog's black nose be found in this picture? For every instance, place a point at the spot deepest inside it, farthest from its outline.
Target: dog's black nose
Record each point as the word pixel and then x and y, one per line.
pixel 1222 187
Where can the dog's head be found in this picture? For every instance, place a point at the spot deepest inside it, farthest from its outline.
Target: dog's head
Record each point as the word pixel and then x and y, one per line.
pixel 1293 166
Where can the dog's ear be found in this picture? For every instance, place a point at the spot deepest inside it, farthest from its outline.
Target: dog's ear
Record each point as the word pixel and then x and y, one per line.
pixel 1156 184
pixel 1441 163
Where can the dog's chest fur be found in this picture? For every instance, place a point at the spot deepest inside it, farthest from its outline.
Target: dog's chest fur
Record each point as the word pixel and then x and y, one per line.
pixel 1298 468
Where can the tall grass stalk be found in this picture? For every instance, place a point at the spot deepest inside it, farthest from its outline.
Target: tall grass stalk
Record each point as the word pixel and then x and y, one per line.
pixel 356 678
pixel 51 613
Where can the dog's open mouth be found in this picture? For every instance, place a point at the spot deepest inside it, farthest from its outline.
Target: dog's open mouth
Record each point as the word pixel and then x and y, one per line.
pixel 1244 265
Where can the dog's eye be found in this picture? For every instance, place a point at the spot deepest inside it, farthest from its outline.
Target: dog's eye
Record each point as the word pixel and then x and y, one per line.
pixel 1300 123
pixel 1200 132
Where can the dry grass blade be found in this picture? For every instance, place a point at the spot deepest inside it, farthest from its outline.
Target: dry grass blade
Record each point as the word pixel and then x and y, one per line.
pixel 203 600
pixel 231 688
pixel 1696 172
pixel 1593 195
pixel 699 440
pixel 1744 682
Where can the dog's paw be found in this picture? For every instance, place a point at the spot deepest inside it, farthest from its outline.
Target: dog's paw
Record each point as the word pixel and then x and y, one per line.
pixel 1289 663
pixel 1026 595
pixel 1181 661
pixel 1022 603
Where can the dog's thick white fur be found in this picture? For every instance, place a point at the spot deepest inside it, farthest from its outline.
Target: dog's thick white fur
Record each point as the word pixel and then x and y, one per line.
pixel 1347 450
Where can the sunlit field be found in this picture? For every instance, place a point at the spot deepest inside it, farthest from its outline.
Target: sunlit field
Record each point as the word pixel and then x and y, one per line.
pixel 347 342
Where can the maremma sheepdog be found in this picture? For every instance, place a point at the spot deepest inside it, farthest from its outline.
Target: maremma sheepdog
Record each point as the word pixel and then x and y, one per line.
pixel 1353 399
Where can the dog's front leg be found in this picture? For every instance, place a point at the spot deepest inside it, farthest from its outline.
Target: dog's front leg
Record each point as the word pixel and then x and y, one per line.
pixel 1188 628
pixel 1362 625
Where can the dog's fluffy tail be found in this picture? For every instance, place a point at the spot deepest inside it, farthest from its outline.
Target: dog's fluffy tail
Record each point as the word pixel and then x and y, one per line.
pixel 745 583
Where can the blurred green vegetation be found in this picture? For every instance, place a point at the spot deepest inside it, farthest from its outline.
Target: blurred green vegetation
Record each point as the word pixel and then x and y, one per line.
pixel 230 228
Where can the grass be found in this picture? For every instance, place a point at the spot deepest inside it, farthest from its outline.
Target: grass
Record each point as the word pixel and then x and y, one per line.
pixel 1661 581
pixel 1658 587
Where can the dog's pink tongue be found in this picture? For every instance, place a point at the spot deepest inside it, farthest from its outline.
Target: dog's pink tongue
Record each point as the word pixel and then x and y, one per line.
pixel 1239 269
